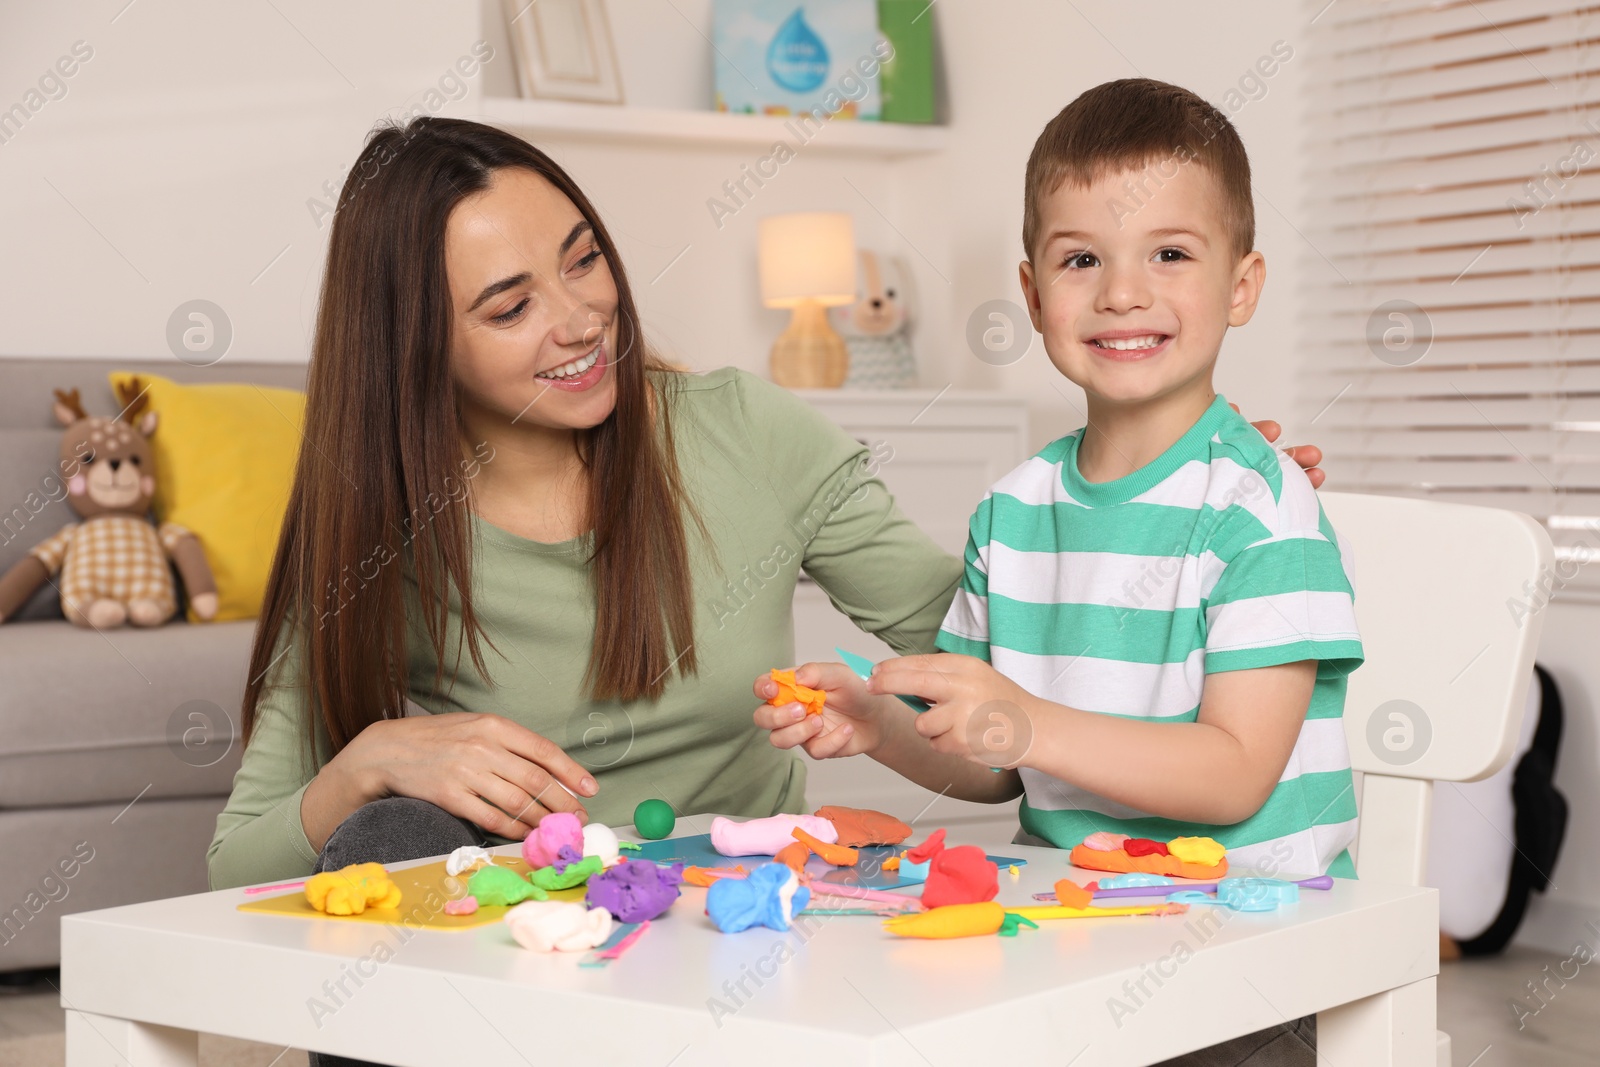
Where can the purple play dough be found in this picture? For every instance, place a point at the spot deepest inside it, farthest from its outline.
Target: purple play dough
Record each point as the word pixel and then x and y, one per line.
pixel 635 890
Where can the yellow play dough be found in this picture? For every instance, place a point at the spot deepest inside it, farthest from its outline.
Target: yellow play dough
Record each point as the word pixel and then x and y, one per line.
pixel 352 890
pixel 1201 850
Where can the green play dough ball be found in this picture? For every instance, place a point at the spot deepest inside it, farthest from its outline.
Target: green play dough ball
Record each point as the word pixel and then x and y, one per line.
pixel 653 819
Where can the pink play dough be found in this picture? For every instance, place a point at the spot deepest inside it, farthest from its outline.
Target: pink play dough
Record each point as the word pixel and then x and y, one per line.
pixel 542 844
pixel 1104 841
pixel 764 837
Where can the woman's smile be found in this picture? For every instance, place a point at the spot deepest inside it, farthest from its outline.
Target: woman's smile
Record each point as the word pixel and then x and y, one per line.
pixel 581 373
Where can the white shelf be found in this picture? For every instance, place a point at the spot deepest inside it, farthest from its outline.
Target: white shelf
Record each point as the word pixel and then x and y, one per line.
pixel 620 124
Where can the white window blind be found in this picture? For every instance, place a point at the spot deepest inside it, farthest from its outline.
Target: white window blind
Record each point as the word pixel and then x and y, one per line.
pixel 1453 261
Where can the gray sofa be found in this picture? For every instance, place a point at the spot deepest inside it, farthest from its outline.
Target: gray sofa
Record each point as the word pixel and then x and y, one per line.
pixel 117 750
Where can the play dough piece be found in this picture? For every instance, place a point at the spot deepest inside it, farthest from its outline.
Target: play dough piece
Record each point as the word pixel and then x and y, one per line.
pixel 766 837
pixel 1072 895
pixel 961 875
pixel 793 856
pixel 863 826
pixel 1143 846
pixel 352 890
pixel 635 890
pixel 951 920
pixel 543 843
pixel 769 897
pixel 653 819
pixel 551 879
pixel 1121 862
pixel 494 886
pixel 467 858
pixel 704 876
pixel 464 906
pixel 1201 850
pixel 892 863
pixel 838 855
pixel 558 925
pixel 792 692
pixel 927 850
pixel 600 840
pixel 1104 841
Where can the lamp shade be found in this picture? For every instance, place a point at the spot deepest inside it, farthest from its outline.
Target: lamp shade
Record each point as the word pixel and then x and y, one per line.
pixel 807 256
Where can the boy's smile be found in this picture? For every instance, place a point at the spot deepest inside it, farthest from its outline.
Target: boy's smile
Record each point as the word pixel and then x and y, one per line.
pixel 1134 282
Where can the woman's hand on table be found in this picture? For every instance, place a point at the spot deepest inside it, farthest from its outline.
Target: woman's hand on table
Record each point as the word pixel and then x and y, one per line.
pixel 850 723
pixel 1308 456
pixel 479 767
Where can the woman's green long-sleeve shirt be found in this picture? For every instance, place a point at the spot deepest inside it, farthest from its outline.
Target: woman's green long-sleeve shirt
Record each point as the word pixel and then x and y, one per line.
pixel 779 488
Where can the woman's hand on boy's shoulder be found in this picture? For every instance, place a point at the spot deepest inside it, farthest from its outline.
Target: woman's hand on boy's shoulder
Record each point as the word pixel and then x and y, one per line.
pixel 850 723
pixel 978 713
pixel 1308 456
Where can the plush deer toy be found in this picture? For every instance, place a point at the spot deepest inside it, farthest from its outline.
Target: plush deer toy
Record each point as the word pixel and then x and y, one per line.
pixel 113 564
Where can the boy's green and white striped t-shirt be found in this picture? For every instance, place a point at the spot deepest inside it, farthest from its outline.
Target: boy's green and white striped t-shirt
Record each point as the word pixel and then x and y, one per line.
pixel 1120 597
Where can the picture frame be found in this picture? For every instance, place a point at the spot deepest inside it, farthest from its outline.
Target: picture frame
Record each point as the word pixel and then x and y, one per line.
pixel 564 50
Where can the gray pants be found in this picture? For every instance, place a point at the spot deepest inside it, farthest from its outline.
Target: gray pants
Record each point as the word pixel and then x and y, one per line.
pixel 392 830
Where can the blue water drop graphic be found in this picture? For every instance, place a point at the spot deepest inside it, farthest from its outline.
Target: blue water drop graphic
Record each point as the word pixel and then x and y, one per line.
pixel 797 59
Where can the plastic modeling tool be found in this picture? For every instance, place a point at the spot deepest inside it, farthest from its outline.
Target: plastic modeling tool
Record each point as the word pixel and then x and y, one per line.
pixel 862 666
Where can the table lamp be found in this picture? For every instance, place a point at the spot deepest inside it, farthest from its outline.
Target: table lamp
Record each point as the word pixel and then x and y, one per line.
pixel 808 263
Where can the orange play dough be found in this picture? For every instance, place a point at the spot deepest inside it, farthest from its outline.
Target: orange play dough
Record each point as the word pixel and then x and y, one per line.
pixel 1070 894
pixel 704 876
pixel 792 692
pixel 837 855
pixel 793 856
pixel 1122 863
pixel 863 826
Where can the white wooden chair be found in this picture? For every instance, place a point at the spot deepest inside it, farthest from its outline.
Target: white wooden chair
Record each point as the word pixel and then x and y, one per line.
pixel 1441 694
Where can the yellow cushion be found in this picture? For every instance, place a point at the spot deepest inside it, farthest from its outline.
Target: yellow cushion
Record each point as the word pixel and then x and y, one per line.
pixel 225 458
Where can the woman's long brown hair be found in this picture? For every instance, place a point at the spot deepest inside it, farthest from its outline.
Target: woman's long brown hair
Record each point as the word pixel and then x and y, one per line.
pixel 382 451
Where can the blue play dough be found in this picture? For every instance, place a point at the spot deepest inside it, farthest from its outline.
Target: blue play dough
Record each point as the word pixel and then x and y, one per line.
pixel 1133 878
pixel 736 904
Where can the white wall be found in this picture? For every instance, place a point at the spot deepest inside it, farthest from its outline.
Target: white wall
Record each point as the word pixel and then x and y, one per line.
pixel 179 163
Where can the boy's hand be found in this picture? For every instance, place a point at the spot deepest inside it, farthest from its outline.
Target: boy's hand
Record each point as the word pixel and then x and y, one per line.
pixel 848 726
pixel 1308 456
pixel 978 713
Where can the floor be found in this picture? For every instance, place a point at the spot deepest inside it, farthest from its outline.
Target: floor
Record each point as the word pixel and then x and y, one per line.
pixel 1475 1008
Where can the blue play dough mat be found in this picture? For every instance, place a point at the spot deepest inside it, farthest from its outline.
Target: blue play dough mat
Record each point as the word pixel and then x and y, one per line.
pixel 868 872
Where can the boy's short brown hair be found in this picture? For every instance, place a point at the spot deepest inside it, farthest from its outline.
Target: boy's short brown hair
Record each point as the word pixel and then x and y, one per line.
pixel 1140 124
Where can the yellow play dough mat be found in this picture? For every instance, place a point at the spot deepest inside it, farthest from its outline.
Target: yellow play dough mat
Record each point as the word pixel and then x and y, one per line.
pixel 423 892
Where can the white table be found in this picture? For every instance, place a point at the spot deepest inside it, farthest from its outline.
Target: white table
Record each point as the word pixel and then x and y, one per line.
pixel 139 982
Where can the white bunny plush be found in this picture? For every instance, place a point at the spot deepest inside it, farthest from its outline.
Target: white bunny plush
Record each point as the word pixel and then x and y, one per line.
pixel 877 327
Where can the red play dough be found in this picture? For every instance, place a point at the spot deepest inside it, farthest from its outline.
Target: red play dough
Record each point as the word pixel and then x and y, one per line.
pixel 928 849
pixel 960 875
pixel 1143 846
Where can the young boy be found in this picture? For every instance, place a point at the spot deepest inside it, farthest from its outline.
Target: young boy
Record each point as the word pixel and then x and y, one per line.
pixel 1155 623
